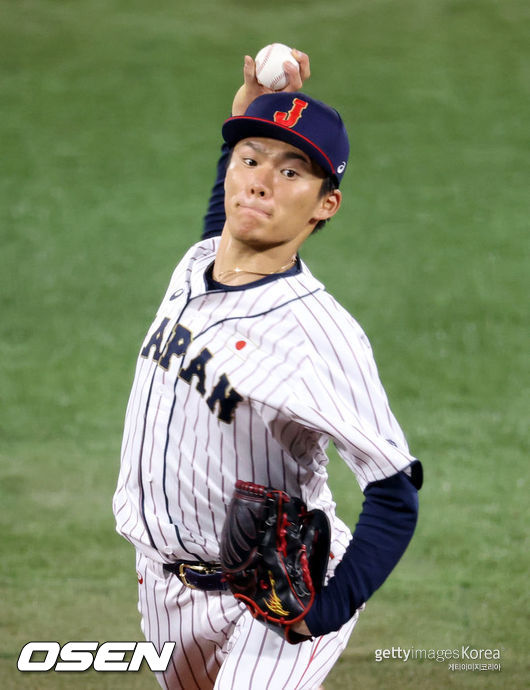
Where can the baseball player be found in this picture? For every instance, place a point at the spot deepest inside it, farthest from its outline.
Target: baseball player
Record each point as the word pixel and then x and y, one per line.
pixel 249 369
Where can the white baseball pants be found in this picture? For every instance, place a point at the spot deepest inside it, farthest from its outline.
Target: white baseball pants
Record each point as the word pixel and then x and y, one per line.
pixel 220 646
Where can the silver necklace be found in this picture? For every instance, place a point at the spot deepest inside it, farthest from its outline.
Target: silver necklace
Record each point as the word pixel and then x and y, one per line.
pixel 235 271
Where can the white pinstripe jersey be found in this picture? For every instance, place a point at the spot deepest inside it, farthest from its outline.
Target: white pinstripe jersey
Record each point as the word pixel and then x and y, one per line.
pixel 245 384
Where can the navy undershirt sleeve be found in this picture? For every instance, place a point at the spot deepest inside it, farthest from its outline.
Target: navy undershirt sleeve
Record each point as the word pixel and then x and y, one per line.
pixel 385 527
pixel 214 219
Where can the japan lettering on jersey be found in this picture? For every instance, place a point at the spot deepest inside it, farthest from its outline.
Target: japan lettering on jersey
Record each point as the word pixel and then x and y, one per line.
pixel 249 384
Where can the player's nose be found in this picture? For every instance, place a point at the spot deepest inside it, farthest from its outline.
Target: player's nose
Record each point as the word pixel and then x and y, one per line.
pixel 260 183
pixel 258 190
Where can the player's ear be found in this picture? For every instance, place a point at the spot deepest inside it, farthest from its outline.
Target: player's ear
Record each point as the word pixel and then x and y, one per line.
pixel 328 205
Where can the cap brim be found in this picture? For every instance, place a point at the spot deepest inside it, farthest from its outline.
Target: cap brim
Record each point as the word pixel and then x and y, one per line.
pixel 241 127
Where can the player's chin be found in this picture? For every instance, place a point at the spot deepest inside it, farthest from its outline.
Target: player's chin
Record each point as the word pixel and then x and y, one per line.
pixel 257 243
pixel 253 230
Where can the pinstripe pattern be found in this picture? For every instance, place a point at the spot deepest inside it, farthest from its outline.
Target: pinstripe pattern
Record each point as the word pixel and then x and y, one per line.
pixel 245 384
pixel 219 644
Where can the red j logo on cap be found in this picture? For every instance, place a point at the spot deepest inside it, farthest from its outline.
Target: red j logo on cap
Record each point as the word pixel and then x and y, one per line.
pixel 290 118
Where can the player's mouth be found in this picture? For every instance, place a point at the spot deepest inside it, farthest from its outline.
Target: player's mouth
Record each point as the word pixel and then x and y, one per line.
pixel 255 210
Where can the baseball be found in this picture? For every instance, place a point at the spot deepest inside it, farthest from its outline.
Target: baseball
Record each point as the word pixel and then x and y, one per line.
pixel 269 65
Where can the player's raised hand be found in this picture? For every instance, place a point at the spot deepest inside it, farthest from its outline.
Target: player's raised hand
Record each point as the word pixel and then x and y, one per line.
pixel 297 77
pixel 251 88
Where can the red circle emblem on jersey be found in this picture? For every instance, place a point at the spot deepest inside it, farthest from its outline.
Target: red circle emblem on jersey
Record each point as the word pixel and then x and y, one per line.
pixel 240 344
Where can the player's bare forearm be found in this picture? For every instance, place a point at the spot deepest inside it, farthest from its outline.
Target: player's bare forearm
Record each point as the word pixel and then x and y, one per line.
pixel 251 88
pixel 301 628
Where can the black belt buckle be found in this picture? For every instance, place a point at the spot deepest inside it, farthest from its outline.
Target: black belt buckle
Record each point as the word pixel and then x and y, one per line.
pixel 206 577
pixel 199 568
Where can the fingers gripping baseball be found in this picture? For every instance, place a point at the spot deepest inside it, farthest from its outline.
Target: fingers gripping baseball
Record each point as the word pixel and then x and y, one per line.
pixel 297 77
pixel 252 89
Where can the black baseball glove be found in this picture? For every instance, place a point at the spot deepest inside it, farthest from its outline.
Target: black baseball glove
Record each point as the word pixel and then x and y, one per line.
pixel 274 555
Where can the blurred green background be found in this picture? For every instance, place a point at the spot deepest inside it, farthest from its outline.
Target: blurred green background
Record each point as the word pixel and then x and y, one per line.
pixel 110 118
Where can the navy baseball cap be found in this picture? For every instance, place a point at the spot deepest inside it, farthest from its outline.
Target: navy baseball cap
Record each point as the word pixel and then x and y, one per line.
pixel 299 120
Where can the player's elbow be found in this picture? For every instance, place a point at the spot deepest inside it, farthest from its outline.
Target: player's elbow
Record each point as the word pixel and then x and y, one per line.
pixel 396 498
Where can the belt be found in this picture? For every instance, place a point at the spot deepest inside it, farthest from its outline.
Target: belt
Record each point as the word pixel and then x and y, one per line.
pixel 205 576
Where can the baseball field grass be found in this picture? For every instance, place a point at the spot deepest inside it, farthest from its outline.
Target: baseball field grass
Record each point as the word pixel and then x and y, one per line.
pixel 110 118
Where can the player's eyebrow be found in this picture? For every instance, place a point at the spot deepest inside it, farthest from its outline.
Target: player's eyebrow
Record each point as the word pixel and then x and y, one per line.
pixel 293 155
pixel 284 157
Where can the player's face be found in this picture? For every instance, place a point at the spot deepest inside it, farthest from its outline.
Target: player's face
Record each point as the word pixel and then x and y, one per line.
pixel 272 194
